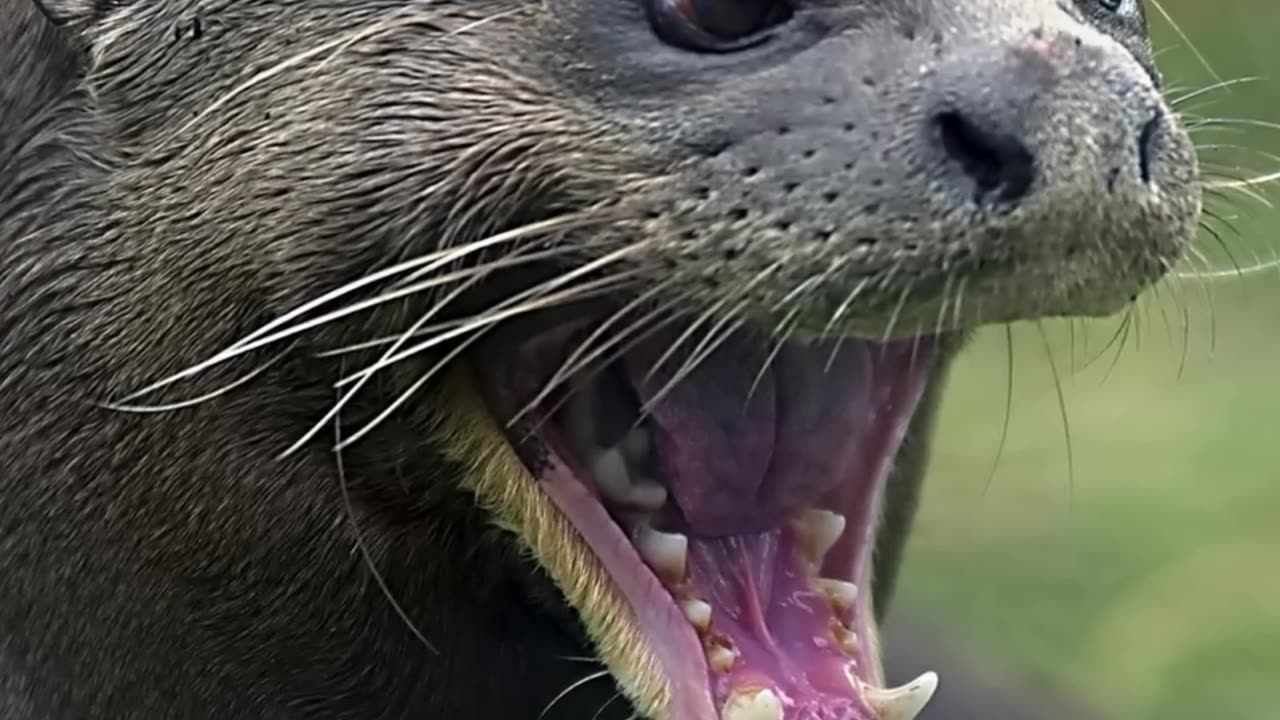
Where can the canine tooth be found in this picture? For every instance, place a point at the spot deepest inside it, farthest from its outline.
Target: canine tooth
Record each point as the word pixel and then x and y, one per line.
pixel 667 553
pixel 903 703
pixel 753 705
pixel 721 658
pixel 844 595
pixel 698 612
pixel 819 530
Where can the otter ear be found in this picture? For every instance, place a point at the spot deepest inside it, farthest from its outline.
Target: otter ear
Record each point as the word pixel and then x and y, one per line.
pixel 62 12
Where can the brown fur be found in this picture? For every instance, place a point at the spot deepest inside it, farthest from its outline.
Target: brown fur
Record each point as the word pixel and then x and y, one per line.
pixel 222 162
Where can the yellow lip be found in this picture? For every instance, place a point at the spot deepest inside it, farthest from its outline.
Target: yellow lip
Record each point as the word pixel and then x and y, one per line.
pixel 503 486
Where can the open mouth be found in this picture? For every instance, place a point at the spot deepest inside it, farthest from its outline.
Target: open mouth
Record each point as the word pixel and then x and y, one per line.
pixel 733 503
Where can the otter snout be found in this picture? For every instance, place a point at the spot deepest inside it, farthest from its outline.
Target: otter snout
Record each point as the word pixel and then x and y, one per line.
pixel 994 112
pixel 927 181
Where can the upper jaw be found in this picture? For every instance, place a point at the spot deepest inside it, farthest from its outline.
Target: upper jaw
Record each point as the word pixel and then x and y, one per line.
pixel 731 619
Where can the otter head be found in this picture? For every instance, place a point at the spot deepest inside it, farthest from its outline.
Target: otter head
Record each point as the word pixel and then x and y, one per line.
pixel 671 277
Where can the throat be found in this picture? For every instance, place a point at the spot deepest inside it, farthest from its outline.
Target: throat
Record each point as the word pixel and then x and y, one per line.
pixel 746 440
pixel 742 441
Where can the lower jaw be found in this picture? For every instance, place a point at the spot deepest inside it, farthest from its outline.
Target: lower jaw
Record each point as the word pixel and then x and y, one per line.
pixel 773 622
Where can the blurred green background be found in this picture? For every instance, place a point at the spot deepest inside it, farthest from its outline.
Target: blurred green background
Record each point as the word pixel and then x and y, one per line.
pixel 1148 579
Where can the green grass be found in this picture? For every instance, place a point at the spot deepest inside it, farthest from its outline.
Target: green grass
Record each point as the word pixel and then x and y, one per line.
pixel 1149 579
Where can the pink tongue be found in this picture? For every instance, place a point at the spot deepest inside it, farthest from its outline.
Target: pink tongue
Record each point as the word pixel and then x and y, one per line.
pixel 738 449
pixel 781 629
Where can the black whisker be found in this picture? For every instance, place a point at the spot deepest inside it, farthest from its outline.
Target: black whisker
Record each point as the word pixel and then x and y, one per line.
pixel 1008 407
pixel 363 546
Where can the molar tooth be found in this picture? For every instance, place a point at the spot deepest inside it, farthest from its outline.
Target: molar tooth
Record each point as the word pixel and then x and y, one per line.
pixel 819 530
pixel 752 705
pixel 721 658
pixel 637 444
pixel 698 612
pixel 845 638
pixel 647 495
pixel 843 594
pixel 609 470
pixel 903 703
pixel 666 553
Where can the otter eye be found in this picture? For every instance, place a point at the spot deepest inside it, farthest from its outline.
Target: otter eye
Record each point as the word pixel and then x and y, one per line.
pixel 716 25
pixel 1120 7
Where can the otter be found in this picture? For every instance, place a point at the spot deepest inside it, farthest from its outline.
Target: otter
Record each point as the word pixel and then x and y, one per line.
pixel 532 360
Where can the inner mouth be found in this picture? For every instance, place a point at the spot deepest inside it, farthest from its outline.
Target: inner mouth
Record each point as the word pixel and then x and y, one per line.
pixel 734 502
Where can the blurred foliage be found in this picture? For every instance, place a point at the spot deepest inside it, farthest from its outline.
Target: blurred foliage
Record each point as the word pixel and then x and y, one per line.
pixel 1145 573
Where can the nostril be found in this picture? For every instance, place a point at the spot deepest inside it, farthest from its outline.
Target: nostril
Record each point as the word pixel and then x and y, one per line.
pixel 998 163
pixel 1146 145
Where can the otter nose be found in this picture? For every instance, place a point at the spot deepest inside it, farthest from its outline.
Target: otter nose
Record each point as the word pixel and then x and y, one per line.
pixel 997 118
pixel 1147 140
pixel 980 124
pixel 988 151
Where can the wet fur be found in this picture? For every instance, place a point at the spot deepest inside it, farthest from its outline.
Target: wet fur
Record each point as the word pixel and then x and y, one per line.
pixel 172 565
pixel 248 564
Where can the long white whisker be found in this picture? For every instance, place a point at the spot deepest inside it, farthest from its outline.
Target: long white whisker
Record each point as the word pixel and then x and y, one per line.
pixel 400 293
pixel 1178 29
pixel 435 259
pixel 707 315
pixel 576 359
pixel 625 341
pixel 709 344
pixel 192 402
pixel 421 381
pixel 491 318
pixel 524 306
pixel 571 688
pixel 1245 271
pixel 1245 183
pixel 790 321
pixel 509 308
pixel 1212 87
pixel 417 325
pixel 840 312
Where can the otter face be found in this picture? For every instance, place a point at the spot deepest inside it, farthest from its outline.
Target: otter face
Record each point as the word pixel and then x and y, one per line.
pixel 1014 155
pixel 696 261
pixel 837 190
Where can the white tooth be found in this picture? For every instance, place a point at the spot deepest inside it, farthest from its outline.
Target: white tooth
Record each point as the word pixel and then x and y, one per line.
pixel 698 613
pixel 609 470
pixel 819 531
pixel 666 553
pixel 721 658
pixel 647 495
pixel 844 595
pixel 903 703
pixel 753 705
